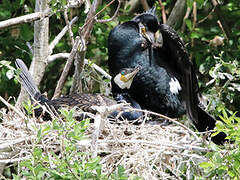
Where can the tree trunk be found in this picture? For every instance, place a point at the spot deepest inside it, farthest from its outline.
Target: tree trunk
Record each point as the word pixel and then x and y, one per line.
pixel 40 54
pixel 177 13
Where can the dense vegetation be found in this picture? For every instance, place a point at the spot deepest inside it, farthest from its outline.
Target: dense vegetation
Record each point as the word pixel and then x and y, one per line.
pixel 211 35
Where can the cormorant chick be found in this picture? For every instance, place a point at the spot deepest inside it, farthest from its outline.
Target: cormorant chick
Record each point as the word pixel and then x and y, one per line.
pixel 83 101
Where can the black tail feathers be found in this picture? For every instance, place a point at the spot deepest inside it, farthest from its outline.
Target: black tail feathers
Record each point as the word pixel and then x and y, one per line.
pixel 207 122
pixel 28 83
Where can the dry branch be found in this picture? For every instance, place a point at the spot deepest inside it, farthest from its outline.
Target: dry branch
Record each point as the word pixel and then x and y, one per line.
pixel 222 19
pixel 115 14
pixel 164 17
pixel 93 65
pixel 66 69
pixel 60 35
pixel 185 18
pixel 68 26
pixel 25 19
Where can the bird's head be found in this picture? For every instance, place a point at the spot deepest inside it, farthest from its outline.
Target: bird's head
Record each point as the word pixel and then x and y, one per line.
pixel 148 25
pixel 125 77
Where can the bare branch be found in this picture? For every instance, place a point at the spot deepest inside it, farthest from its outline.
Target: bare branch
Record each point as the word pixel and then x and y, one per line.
pixel 67 67
pixel 25 19
pixel 93 65
pixel 115 14
pixel 69 27
pixel 99 69
pixel 58 56
pixel 224 24
pixel 221 26
pixel 12 107
pixel 194 14
pixel 60 35
pixel 186 17
pixel 164 17
pixel 30 47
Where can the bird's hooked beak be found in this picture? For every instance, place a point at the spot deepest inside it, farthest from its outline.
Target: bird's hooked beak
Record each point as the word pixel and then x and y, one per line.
pixel 132 74
pixel 154 38
pixel 125 78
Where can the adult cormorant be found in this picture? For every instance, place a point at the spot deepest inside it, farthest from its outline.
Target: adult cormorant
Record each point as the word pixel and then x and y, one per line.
pixel 83 101
pixel 166 83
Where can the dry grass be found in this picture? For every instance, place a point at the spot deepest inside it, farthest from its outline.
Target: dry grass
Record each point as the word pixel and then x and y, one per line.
pixel 147 150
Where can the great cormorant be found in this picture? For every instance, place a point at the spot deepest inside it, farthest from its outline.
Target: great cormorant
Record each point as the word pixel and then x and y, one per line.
pixel 83 101
pixel 167 83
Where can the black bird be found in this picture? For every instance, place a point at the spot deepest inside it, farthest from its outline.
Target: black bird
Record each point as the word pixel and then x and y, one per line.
pixel 83 101
pixel 166 83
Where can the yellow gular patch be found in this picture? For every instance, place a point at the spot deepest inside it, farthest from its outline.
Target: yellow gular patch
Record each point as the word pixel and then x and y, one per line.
pixel 123 78
pixel 143 29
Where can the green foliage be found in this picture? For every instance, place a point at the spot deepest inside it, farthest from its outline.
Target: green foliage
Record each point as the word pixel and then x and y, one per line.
pixel 225 162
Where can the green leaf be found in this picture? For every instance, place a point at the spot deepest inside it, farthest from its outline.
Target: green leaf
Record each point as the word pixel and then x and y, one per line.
pixel 189 3
pixel 22 2
pixel 206 165
pixel 195 35
pixel 189 24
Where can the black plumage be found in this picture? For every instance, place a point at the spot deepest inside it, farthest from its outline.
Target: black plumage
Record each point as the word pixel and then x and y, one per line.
pixel 167 82
pixel 84 102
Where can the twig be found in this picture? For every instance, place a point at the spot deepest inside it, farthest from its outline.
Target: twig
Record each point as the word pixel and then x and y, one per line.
pixel 66 69
pixel 25 19
pixel 110 19
pixel 6 161
pixel 185 18
pixel 167 118
pixel 221 26
pixel 98 68
pixel 157 142
pixel 93 65
pixel 29 47
pixel 69 27
pixel 60 35
pixel 12 107
pixel 203 19
pixel 13 142
pixel 194 14
pixel 164 17
pixel 58 56
pixel 92 17
pixel 222 19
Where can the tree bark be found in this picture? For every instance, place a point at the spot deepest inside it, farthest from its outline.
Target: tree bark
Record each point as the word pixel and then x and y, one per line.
pixel 177 13
pixel 40 54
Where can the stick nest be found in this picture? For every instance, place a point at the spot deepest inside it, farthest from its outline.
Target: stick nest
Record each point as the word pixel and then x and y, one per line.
pixel 148 150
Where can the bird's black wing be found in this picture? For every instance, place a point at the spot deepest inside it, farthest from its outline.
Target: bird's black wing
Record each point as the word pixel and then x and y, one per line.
pixel 180 66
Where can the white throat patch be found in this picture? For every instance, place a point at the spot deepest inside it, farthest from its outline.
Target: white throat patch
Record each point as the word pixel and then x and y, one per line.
pixel 175 86
pixel 121 84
